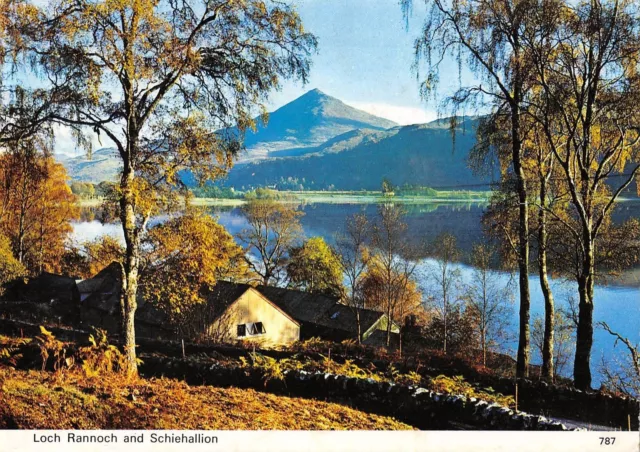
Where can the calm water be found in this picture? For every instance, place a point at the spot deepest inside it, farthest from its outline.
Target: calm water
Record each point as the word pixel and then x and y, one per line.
pixel 618 305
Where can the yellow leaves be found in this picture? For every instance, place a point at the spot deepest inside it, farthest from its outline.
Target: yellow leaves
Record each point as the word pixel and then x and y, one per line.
pixel 143 195
pixel 187 255
pixel 100 359
pixel 49 209
pixel 10 268
pixel 94 78
pixel 457 385
pixel 315 267
pixel 50 347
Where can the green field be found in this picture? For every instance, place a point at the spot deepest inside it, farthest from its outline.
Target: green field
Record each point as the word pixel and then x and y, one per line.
pixel 359 197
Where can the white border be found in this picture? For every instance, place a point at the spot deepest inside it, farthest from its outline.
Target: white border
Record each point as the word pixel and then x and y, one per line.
pixel 361 441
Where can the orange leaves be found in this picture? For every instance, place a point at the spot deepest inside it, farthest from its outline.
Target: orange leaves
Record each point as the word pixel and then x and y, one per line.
pixel 34 400
pixel 38 207
pixel 186 255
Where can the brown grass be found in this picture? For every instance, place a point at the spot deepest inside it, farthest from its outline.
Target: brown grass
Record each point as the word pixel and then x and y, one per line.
pixel 44 400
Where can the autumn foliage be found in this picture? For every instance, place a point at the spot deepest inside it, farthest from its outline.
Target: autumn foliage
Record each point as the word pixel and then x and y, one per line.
pixel 184 257
pixel 36 209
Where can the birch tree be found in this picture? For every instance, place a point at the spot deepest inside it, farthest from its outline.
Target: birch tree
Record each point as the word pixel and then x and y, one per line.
pixel 488 301
pixel 487 35
pixel 354 258
pixel 173 85
pixel 590 93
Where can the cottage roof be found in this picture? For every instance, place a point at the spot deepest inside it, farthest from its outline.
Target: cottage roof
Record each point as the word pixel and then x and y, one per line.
pixel 343 318
pixel 43 288
pixel 302 306
pixel 106 280
pixel 102 292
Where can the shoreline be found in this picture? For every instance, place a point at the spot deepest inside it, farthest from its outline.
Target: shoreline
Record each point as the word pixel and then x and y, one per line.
pixel 345 197
pixel 353 198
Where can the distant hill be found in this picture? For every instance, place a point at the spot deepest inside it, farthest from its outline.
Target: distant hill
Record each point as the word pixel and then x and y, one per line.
pixel 418 154
pixel 103 165
pixel 308 121
pixel 318 142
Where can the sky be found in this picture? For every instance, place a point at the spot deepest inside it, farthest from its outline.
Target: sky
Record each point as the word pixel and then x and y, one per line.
pixel 365 58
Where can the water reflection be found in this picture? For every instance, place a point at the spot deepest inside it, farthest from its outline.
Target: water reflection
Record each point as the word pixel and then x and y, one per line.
pixel 617 305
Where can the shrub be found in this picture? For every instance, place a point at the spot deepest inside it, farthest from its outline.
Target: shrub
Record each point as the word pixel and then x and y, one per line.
pixel 10 355
pixel 348 369
pixel 409 379
pixel 50 347
pixel 270 368
pixel 99 357
pixel 457 385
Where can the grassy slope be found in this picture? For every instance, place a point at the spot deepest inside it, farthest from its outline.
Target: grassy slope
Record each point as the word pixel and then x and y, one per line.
pixel 44 400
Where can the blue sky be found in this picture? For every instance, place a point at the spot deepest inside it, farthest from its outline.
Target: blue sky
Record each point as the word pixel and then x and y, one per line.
pixel 365 58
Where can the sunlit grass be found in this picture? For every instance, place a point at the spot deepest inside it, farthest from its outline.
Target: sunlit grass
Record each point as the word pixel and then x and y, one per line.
pixel 45 400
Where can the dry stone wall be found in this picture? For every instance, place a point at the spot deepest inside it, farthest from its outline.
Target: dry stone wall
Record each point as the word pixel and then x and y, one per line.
pixel 417 406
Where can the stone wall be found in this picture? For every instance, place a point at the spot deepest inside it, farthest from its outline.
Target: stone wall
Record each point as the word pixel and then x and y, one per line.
pixel 533 396
pixel 420 407
pixel 19 328
pixel 536 397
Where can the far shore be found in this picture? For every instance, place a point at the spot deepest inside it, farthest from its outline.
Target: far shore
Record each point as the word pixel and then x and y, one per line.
pixel 353 197
pixel 349 197
pixel 341 197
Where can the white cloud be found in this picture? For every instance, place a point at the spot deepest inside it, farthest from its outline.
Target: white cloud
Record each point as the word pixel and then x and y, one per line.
pixel 66 143
pixel 396 113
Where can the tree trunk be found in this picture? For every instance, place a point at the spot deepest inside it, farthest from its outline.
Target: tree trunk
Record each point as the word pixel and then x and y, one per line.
pixel 522 366
pixel 22 218
pixel 549 308
pixel 444 324
pixel 41 248
pixel 484 349
pixel 130 273
pixel 584 336
pixel 21 237
pixel 388 328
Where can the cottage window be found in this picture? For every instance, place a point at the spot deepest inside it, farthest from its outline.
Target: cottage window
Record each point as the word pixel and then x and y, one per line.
pixel 242 330
pixel 256 328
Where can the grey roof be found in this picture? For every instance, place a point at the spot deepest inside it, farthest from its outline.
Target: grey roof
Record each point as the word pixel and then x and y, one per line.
pixel 107 279
pixel 103 292
pixel 343 317
pixel 43 289
pixel 103 289
pixel 302 306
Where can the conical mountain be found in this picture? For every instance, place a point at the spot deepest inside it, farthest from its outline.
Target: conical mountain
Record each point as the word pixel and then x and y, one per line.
pixel 308 121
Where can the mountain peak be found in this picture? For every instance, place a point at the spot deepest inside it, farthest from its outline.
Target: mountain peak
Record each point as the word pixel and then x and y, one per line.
pixel 313 98
pixel 315 92
pixel 309 121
